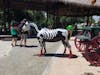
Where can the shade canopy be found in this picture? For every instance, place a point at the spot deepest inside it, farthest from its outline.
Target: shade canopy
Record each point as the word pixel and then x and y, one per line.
pixel 56 7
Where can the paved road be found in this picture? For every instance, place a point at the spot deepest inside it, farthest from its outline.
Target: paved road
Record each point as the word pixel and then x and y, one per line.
pixel 77 65
pixel 5 48
pixel 24 60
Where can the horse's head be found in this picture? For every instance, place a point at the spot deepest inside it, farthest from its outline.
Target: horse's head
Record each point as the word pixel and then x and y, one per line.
pixel 26 23
pixel 26 26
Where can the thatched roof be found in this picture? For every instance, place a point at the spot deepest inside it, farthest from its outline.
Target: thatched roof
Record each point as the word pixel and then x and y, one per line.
pixel 58 7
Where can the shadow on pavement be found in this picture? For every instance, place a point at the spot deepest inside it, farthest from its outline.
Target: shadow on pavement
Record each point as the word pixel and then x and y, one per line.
pixel 28 46
pixel 56 55
pixel 31 46
pixel 85 73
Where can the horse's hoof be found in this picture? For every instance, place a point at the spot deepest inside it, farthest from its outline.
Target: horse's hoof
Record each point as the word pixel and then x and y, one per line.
pixel 70 56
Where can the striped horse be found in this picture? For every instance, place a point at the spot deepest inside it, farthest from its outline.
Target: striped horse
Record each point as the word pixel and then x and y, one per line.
pixel 52 35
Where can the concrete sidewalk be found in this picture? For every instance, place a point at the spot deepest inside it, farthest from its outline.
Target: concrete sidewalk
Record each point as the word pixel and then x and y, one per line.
pixel 5 47
pixel 74 66
pixel 24 60
pixel 28 63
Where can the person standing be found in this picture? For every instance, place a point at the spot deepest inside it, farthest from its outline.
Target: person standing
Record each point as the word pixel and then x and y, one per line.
pixel 14 33
pixel 70 29
pixel 24 33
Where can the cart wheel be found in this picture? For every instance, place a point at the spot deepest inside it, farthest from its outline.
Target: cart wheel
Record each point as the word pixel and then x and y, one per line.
pixel 83 45
pixel 92 53
pixel 80 44
pixel 77 43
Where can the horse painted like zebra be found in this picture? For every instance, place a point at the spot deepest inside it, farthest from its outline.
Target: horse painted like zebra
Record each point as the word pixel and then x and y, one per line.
pixel 52 35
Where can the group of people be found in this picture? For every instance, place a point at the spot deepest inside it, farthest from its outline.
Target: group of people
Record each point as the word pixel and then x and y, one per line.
pixel 17 31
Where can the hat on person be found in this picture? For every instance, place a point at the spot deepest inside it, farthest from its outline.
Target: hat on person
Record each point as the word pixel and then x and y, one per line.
pixel 70 27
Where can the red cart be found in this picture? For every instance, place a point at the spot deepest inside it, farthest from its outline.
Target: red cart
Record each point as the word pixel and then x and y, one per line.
pixel 88 43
